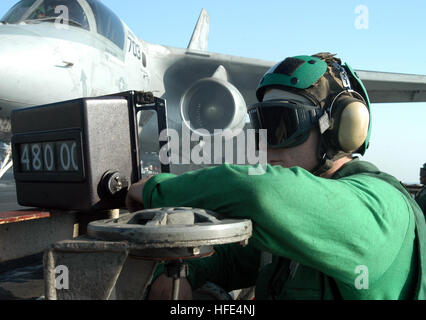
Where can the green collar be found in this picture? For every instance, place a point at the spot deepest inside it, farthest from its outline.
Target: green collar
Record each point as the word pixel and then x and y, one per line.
pixel 355 166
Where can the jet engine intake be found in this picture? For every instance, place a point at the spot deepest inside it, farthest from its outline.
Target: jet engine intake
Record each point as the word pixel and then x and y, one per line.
pixel 213 103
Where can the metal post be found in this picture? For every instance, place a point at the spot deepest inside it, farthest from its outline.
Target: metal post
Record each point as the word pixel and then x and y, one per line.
pixel 176 270
pixel 176 283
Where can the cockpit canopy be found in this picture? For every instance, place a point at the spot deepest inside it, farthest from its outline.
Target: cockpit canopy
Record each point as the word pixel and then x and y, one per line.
pixel 70 12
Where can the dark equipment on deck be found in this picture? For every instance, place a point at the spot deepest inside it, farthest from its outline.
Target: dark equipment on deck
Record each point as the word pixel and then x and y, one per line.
pixel 81 154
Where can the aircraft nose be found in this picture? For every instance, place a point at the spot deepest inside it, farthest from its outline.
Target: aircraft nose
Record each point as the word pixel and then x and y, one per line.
pixel 30 69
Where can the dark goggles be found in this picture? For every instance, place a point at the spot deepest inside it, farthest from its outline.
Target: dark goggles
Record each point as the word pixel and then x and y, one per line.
pixel 422 172
pixel 287 122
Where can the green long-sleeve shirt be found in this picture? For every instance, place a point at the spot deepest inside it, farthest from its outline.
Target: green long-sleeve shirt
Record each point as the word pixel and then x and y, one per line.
pixel 330 226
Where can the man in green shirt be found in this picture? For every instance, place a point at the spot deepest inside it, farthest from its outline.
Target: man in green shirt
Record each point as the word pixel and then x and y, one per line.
pixel 325 224
pixel 421 196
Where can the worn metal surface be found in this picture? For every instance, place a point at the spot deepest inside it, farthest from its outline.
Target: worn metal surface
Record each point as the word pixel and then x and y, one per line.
pixel 96 270
pixel 134 279
pixel 93 268
pixel 29 237
pixel 171 228
pixel 120 262
pixel 24 215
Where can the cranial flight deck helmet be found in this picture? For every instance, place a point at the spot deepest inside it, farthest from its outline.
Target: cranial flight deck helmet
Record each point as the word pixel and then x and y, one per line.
pixel 342 107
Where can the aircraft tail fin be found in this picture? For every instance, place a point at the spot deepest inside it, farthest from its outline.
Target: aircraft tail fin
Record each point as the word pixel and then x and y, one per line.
pixel 200 36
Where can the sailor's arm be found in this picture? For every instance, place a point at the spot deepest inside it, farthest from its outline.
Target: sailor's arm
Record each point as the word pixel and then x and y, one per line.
pixel 330 225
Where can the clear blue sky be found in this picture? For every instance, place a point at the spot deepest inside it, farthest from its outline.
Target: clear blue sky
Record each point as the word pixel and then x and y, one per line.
pixel 395 41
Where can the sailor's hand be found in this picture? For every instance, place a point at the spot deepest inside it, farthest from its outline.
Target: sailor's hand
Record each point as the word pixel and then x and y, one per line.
pixel 134 198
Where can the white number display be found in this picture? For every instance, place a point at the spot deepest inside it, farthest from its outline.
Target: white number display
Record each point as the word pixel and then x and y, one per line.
pixel 36 157
pixel 74 156
pixel 67 156
pixel 49 156
pixel 25 158
pixel 64 156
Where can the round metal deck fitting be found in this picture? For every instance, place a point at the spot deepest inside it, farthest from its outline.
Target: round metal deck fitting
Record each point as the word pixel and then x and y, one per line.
pixel 171 233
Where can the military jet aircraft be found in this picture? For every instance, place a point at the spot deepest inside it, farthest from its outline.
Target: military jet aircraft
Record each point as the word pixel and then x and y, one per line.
pixel 56 50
